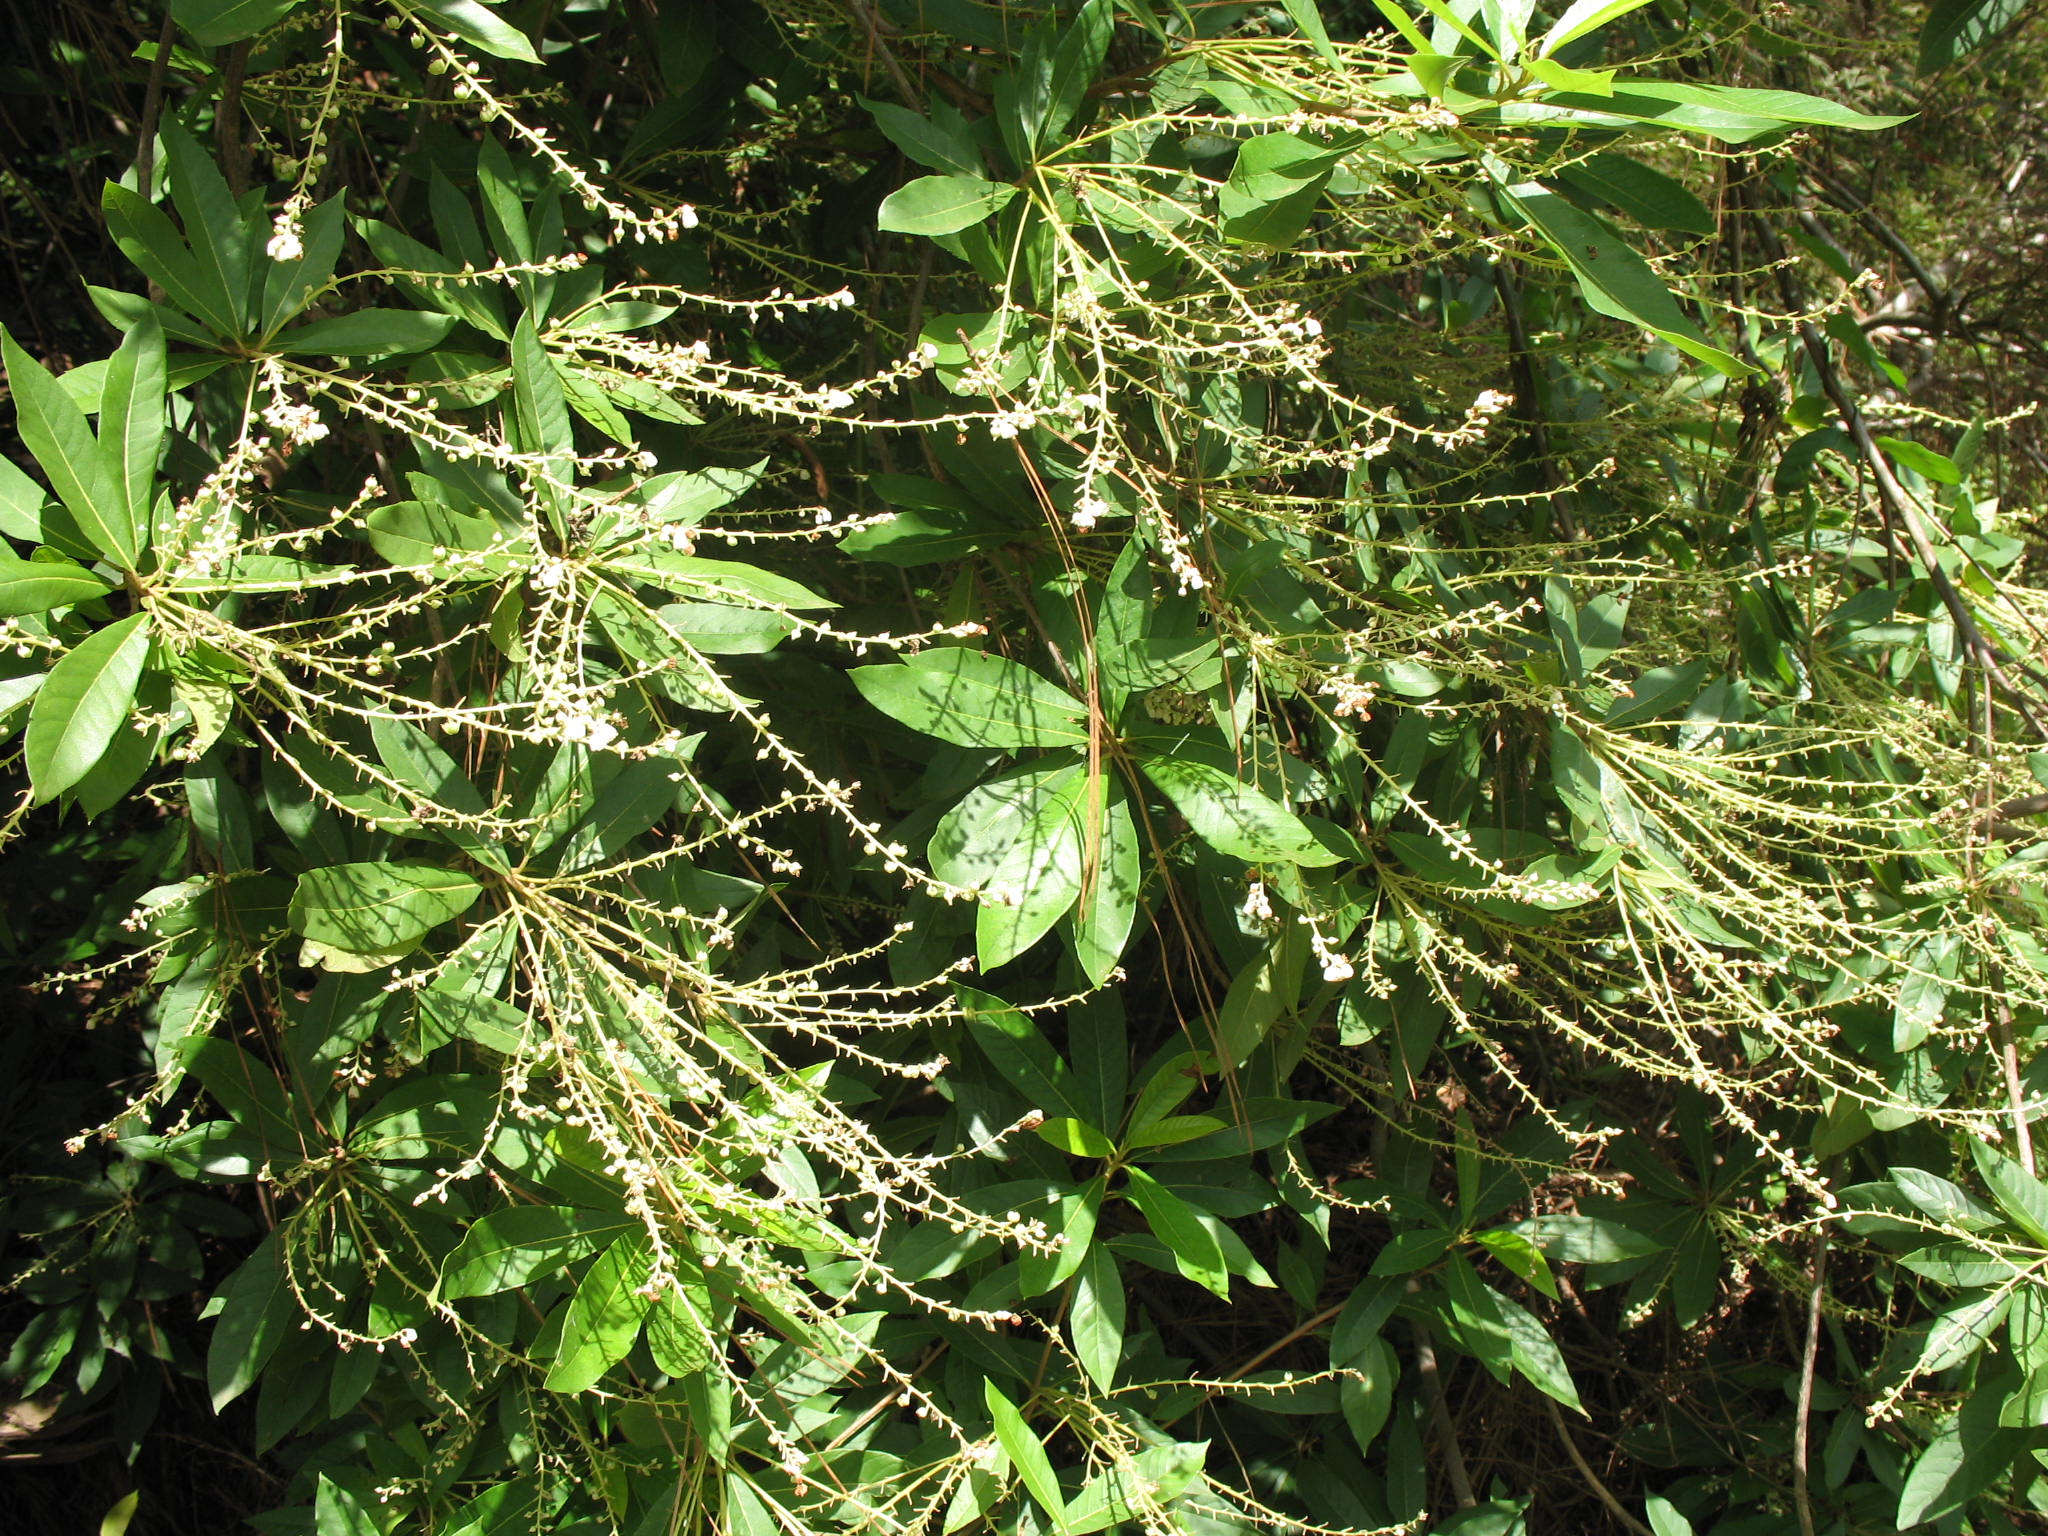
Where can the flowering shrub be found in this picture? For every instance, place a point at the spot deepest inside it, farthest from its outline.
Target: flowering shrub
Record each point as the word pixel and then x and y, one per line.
pixel 927 768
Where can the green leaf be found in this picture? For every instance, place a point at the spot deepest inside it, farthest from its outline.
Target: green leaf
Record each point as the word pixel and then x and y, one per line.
pixel 1572 1239
pixel 1588 82
pixel 1172 1130
pixel 420 763
pixel 1581 17
pixel 935 144
pixel 1308 20
pixel 36 586
pixel 1665 1520
pixel 1113 876
pixel 1077 1138
pixel 338 1512
pixel 717 580
pixel 1026 1453
pixel 474 24
pixel 1262 1122
pixel 215 23
pixel 1612 277
pixel 1940 1200
pixel 1027 1063
pixel 132 427
pixel 942 205
pixel 1922 460
pixel 379 909
pixel 367 333
pixel 1729 113
pixel 1084 42
pixel 1954 29
pixel 507 1249
pixel 680 1331
pixel 55 431
pixel 974 699
pixel 1096 1323
pixel 84 705
pixel 215 228
pixel 1648 196
pixel 1017 843
pixel 1965 1457
pixel 604 1316
pixel 1407 1252
pixel 257 1309
pixel 1521 1257
pixel 1196 1253
pixel 1275 183
pixel 1367 1398
pixel 2019 1194
pixel 115 1521
pixel 1233 818
pixel 722 629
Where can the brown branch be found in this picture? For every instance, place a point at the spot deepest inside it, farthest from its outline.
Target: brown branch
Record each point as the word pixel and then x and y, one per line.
pixel 1803 1424
pixel 1591 1478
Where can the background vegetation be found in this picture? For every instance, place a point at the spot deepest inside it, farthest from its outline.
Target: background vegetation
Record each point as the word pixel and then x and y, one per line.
pixel 916 766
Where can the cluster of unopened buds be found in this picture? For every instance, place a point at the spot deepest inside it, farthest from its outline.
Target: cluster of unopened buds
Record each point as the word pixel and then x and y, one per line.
pixel 1007 424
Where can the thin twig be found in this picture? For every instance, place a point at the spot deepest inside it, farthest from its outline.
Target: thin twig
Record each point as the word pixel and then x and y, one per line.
pixel 1440 1417
pixel 1592 1479
pixel 1802 1426
pixel 227 120
pixel 153 105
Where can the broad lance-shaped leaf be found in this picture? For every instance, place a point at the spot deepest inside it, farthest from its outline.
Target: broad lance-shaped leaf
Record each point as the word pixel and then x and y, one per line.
pixel 1019 843
pixel 1174 1222
pixel 973 699
pixel 55 430
pixel 366 333
pixel 1956 28
pixel 509 1248
pixel 1113 872
pixel 214 23
pixel 256 1308
pixel 933 143
pixel 1026 1453
pixel 474 24
pixel 942 205
pixel 84 704
pixel 1233 818
pixel 36 586
pixel 1612 277
pixel 1096 1322
pixel 132 423
pixel 378 909
pixel 604 1315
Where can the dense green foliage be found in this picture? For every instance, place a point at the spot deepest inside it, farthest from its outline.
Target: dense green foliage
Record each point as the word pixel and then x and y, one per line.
pixel 908 766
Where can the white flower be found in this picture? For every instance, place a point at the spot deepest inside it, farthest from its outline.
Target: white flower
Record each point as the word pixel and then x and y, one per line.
pixel 686 216
pixel 1337 968
pixel 285 243
pixel 593 731
pixel 837 399
pixel 1007 424
pixel 1088 510
pixel 1258 906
